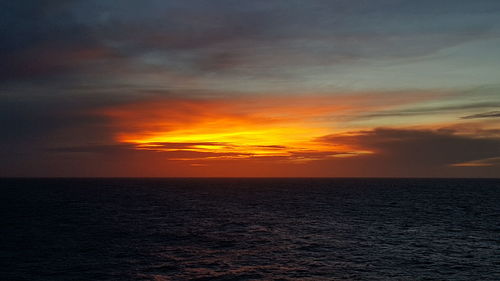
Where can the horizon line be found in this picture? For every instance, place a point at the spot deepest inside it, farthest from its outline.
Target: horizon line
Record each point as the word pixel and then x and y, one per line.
pixel 256 177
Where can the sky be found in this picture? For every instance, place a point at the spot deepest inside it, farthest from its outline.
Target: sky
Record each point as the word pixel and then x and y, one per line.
pixel 263 88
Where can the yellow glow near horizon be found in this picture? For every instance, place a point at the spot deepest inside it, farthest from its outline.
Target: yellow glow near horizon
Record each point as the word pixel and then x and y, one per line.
pixel 255 141
pixel 231 130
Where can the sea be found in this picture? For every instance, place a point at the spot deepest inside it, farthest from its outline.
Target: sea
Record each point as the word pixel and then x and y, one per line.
pixel 249 229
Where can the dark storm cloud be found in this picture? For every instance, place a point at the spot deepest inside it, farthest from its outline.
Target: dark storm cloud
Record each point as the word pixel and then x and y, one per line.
pixel 491 114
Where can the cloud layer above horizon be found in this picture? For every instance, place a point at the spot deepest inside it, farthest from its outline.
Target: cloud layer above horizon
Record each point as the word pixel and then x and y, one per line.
pixel 393 88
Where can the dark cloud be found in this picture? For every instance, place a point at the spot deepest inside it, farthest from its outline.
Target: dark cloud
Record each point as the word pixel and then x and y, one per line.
pixel 418 152
pixel 33 121
pixel 52 61
pixel 495 161
pixel 40 39
pixel 98 148
pixel 177 151
pixel 491 114
pixel 272 146
pixel 49 38
pixel 170 149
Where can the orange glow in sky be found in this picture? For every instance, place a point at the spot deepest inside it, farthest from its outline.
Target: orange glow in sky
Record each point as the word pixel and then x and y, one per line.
pixel 233 129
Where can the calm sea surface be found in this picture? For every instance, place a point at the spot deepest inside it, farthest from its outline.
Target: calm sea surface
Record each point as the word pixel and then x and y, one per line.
pixel 249 229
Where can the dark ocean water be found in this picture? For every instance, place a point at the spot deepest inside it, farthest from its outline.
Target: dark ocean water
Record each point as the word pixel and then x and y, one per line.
pixel 250 229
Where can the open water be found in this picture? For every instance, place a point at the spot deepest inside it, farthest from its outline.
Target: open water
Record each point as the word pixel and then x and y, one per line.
pixel 249 229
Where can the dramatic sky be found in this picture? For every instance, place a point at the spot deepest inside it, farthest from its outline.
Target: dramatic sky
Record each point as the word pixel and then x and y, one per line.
pixel 287 88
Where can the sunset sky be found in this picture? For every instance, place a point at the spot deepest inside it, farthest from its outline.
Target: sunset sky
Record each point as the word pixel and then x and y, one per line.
pixel 263 88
